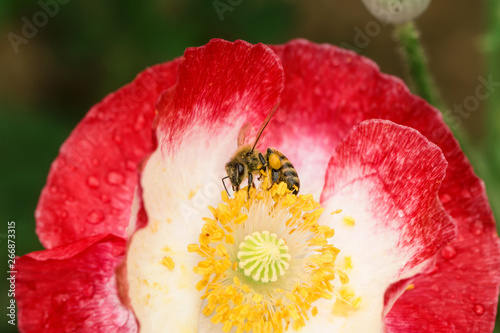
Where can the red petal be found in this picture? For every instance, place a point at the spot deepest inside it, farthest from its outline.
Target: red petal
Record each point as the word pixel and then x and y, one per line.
pixel 91 183
pixel 220 84
pixel 72 288
pixel 402 172
pixel 329 90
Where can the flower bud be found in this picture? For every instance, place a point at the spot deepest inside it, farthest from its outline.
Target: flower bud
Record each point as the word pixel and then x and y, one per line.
pixel 396 11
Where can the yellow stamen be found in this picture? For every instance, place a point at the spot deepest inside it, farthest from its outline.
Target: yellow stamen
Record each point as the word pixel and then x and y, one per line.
pixel 349 220
pixel 266 260
pixel 168 262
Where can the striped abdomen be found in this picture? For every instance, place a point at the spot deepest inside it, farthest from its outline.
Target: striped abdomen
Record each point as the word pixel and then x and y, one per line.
pixel 286 173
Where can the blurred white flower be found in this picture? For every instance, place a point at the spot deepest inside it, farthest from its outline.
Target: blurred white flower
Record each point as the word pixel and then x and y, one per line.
pixel 396 11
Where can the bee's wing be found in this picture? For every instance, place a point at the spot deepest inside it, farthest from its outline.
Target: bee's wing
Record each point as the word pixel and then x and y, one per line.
pixel 244 133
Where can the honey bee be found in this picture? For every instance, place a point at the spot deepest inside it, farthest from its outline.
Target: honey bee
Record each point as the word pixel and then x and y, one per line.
pixel 248 161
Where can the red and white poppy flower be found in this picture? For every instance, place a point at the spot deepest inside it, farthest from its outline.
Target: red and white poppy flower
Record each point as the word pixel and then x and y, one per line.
pixel 139 237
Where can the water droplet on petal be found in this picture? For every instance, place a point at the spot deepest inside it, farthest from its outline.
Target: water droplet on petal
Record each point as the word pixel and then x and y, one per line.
pixel 445 198
pixel 476 228
pixel 401 213
pixel 131 165
pixel 479 309
pixel 95 217
pixel 448 252
pixel 121 317
pixel 59 300
pixel 89 291
pixel 53 189
pixel 105 198
pixel 115 178
pixel 466 194
pixel 62 213
pixel 70 326
pixel 117 138
pixel 93 182
pixel 139 122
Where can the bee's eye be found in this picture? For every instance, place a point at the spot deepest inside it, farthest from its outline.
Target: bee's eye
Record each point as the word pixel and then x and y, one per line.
pixel 240 168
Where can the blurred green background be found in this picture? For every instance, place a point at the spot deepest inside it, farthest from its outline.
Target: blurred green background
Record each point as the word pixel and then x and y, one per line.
pixel 90 48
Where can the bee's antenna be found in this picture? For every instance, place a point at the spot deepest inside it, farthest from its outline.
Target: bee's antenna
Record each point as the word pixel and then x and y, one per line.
pixel 224 184
pixel 261 130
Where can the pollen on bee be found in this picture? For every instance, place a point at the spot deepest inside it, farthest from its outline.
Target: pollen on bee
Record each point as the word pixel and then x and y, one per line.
pixel 168 262
pixel 349 220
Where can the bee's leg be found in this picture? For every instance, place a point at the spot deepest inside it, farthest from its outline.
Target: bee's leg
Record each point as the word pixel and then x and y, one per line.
pixel 275 175
pixel 250 183
pixel 262 160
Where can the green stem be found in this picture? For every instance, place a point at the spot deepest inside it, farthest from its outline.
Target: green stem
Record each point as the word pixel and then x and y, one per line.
pixel 493 103
pixel 492 115
pixel 422 84
pixel 421 81
pixel 414 56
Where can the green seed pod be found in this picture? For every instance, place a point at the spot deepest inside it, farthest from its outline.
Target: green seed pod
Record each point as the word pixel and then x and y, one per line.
pixel 396 11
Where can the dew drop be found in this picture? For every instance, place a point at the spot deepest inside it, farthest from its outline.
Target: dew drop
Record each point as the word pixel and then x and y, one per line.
pixel 59 300
pixel 139 122
pixel 95 217
pixel 105 198
pixel 69 200
pixel 62 213
pixel 115 178
pixel 89 291
pixel 448 252
pixel 466 194
pixel 401 213
pixel 121 318
pixel 476 228
pixel 445 198
pixel 93 182
pixel 53 189
pixel 70 326
pixel 479 309
pixel 117 138
pixel 131 165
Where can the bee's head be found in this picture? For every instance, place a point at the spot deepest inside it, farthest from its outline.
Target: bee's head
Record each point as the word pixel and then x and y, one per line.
pixel 236 173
